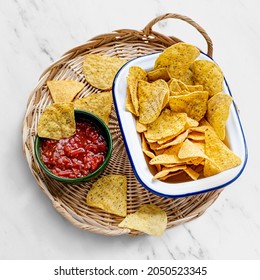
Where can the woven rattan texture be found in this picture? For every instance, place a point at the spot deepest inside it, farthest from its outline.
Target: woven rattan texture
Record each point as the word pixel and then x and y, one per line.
pixel 69 199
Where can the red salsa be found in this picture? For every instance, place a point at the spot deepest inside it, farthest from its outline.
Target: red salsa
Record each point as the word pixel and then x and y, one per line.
pixel 77 156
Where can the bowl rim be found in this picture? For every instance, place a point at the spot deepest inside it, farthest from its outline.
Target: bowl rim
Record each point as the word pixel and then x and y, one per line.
pixel 89 176
pixel 187 193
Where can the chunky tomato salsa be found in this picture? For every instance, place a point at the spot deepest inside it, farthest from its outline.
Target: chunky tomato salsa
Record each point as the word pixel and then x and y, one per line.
pixel 77 156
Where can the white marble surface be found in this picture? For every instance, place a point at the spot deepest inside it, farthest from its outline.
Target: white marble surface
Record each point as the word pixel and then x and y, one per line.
pixel 35 33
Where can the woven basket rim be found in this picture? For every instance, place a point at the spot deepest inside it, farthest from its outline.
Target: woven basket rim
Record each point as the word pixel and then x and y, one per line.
pixel 179 210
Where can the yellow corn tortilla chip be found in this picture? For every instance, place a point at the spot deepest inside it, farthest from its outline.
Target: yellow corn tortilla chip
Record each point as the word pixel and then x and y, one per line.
pixel 177 140
pixel 129 104
pixel 192 173
pixel 136 73
pixel 109 194
pixel 140 127
pixel 149 219
pixel 209 75
pixel 100 70
pixel 166 171
pixel 64 90
pixel 169 156
pixel 219 154
pixel 177 58
pixel 194 104
pixel 190 150
pixel 218 112
pixel 146 149
pixel 194 135
pixel 192 88
pixel 151 100
pixel 168 124
pixel 187 78
pixel 99 104
pixel 160 73
pixel 57 121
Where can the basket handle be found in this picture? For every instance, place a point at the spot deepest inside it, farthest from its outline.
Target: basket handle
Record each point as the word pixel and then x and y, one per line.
pixel 148 28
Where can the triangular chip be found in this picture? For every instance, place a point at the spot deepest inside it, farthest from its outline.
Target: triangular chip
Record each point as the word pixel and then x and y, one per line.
pixel 170 156
pixel 149 219
pixel 190 150
pixel 218 112
pixel 219 154
pixel 177 58
pixel 160 73
pixel 100 70
pixel 166 171
pixel 136 73
pixel 99 104
pixel 57 121
pixel 194 104
pixel 209 75
pixel 64 90
pixel 168 124
pixel 151 100
pixel 109 194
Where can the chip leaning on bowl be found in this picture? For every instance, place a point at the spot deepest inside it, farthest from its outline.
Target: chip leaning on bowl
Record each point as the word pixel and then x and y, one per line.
pixel 181 113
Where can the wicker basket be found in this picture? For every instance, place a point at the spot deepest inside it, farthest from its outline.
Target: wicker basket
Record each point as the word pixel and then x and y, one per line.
pixel 69 199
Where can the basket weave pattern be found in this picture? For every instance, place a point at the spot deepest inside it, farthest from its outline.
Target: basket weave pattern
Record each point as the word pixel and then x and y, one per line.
pixel 69 199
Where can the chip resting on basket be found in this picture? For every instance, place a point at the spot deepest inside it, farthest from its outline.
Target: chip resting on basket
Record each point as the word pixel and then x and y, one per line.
pixel 57 121
pixel 99 104
pixel 100 70
pixel 218 112
pixel 209 75
pixel 64 90
pixel 109 194
pixel 149 219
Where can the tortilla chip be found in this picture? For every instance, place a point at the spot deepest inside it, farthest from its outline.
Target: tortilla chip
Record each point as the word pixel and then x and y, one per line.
pixel 177 58
pixel 194 104
pixel 218 112
pixel 57 121
pixel 64 90
pixel 219 154
pixel 170 156
pixel 149 219
pixel 187 78
pixel 100 70
pixel 166 171
pixel 128 104
pixel 160 73
pixel 99 104
pixel 109 194
pixel 192 173
pixel 168 124
pixel 209 75
pixel 177 140
pixel 190 150
pixel 151 99
pixel 140 127
pixel 136 73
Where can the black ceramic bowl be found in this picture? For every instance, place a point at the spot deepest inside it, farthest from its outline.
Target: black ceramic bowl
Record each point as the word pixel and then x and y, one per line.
pixel 79 116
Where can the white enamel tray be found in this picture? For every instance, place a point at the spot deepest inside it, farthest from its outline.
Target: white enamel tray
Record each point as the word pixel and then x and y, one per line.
pixel 132 141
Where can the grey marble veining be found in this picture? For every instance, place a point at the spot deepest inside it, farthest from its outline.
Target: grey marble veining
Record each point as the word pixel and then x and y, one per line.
pixel 35 34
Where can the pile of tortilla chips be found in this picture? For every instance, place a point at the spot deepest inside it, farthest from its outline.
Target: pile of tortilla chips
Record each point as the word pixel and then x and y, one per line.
pixel 181 113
